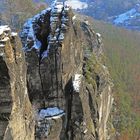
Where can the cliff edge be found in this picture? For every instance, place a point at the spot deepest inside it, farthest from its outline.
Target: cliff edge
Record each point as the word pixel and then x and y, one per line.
pixel 16 118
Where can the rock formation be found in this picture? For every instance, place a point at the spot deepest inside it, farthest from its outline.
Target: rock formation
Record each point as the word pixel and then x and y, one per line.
pixel 68 85
pixel 16 118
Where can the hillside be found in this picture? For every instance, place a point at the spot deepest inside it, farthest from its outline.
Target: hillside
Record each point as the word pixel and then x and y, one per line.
pixel 15 12
pixel 122 54
pixel 118 12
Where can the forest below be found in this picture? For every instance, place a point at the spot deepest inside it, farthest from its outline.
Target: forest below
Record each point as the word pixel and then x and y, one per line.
pixel 122 56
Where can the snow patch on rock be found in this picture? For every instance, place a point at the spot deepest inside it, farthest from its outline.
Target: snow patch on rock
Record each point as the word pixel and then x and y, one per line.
pixel 5 39
pixel 77 82
pixel 31 35
pixel 45 54
pixel 4 28
pixel 14 34
pixel 50 113
pixel 29 30
pixel 74 17
pixel 2 45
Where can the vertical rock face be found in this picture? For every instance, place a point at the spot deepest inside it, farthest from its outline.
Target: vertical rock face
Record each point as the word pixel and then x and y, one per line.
pixel 16 118
pixel 68 84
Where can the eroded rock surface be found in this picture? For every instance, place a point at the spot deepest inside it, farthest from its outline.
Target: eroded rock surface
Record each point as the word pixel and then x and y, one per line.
pixel 65 71
pixel 16 118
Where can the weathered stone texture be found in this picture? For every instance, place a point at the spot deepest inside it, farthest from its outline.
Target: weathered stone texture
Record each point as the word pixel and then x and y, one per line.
pixel 16 117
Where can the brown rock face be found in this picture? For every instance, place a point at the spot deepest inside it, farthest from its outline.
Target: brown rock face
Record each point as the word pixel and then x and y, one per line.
pixel 68 84
pixel 16 118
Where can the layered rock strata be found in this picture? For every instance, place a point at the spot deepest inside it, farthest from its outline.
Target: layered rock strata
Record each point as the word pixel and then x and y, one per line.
pixel 16 118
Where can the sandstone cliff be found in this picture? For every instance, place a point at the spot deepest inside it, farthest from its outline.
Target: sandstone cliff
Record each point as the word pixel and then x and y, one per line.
pixel 68 84
pixel 16 119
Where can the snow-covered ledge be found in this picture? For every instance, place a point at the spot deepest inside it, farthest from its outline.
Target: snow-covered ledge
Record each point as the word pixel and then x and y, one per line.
pixel 46 118
pixel 5 31
pixel 5 35
pixel 50 113
pixel 4 28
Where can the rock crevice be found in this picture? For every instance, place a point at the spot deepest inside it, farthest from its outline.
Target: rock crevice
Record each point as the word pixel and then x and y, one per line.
pixel 16 118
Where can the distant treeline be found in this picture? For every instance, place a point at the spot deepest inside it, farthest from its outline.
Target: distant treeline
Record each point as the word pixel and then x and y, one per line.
pixel 15 12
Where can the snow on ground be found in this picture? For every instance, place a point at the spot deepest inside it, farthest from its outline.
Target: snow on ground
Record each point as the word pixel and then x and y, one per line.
pixel 51 113
pixel 76 4
pixel 77 82
pixel 126 16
